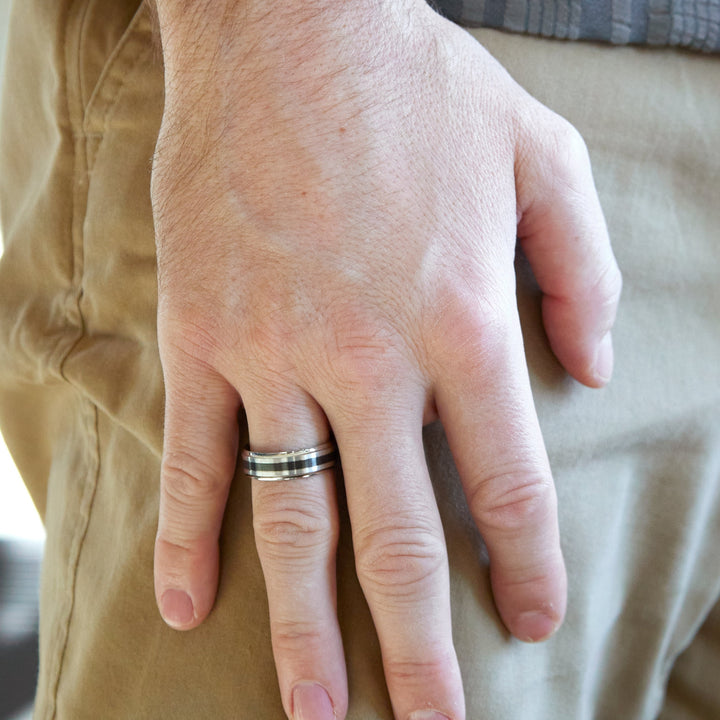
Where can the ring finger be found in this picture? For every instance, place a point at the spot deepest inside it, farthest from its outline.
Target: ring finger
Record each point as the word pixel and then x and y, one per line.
pixel 296 530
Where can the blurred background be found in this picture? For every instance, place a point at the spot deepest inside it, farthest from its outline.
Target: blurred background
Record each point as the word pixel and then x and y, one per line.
pixel 21 546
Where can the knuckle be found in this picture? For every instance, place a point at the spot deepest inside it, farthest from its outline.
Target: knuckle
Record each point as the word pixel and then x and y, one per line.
pixel 178 555
pixel 469 329
pixel 358 361
pixel 176 547
pixel 566 137
pixel 187 335
pixel 364 359
pixel 266 348
pixel 292 637
pixel 563 151
pixel 188 480
pixel 419 671
pixel 294 530
pixel 563 140
pixel 608 287
pixel 400 560
pixel 528 579
pixel 512 500
pixel 340 348
pixel 361 363
pixel 275 328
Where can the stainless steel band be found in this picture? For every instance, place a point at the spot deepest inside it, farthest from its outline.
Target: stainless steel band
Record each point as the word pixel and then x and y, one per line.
pixel 291 464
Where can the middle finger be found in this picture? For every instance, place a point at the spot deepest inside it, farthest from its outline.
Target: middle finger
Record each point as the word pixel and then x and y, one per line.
pixel 401 556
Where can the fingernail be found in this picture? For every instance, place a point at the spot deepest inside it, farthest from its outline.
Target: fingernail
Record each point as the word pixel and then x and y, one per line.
pixel 311 702
pixel 604 360
pixel 177 608
pixel 534 626
pixel 427 715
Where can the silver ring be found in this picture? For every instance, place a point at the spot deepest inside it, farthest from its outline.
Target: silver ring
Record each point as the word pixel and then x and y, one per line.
pixel 291 464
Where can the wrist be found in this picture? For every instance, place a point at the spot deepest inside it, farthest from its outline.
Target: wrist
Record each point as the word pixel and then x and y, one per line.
pixel 193 29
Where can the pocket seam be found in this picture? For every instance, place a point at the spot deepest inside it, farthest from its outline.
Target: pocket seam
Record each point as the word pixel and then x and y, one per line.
pixel 100 92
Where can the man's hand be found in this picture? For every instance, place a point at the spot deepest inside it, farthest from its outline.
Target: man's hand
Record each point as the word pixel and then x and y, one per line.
pixel 337 191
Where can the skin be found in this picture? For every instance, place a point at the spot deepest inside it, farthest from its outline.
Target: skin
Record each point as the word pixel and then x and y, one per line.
pixel 337 191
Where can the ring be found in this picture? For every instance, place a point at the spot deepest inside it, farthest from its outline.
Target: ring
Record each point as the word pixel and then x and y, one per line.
pixel 291 464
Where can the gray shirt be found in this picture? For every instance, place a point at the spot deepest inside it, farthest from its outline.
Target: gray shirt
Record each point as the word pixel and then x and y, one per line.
pixel 693 24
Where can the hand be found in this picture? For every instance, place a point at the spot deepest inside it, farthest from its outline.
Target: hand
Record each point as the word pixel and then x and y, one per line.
pixel 337 192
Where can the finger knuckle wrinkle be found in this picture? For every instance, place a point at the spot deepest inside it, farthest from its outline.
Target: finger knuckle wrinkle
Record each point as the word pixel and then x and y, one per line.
pixel 400 562
pixel 175 547
pixel 362 347
pixel 527 580
pixel 364 364
pixel 565 150
pixel 608 286
pixel 507 502
pixel 294 636
pixel 187 479
pixel 418 671
pixel 293 529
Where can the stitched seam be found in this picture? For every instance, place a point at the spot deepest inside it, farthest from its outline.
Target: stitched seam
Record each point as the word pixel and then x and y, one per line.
pixel 60 639
pixel 92 446
pixel 74 316
pixel 100 88
pixel 114 99
pixel 82 43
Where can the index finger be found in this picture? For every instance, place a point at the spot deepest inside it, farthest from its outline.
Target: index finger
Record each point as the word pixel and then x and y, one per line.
pixel 485 403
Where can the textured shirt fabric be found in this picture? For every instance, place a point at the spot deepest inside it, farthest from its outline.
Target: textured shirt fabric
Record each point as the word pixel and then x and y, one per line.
pixel 693 24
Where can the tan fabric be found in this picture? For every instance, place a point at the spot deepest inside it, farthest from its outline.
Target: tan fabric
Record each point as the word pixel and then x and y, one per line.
pixel 637 465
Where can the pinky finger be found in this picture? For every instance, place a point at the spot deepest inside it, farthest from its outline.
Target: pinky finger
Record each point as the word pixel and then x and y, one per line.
pixel 200 449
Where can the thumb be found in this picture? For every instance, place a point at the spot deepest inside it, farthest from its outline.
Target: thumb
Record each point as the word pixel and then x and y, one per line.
pixel 564 236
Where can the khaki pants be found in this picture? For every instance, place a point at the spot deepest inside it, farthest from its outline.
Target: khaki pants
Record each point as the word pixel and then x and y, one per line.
pixel 637 465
